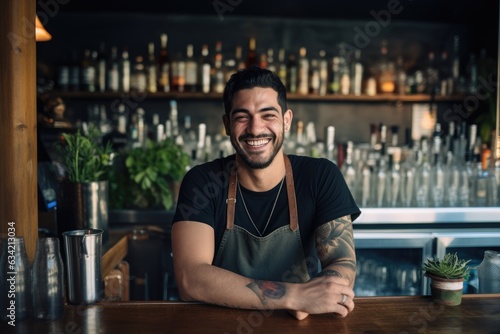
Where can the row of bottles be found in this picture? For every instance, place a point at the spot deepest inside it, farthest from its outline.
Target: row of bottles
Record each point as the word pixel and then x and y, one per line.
pixel 132 128
pixel 207 70
pixel 452 169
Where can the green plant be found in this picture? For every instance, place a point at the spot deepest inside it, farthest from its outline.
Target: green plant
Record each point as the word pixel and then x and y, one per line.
pixel 143 177
pixel 450 266
pixel 83 157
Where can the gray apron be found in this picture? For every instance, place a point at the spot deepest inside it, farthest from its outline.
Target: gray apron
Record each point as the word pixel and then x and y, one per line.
pixel 278 256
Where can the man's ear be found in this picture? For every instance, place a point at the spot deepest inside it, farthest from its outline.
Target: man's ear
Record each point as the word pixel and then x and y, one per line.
pixel 225 120
pixel 287 118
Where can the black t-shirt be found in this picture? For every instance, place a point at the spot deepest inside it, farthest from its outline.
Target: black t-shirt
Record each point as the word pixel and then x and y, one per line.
pixel 321 192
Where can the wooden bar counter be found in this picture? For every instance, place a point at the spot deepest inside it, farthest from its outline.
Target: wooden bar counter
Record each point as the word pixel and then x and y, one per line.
pixel 476 314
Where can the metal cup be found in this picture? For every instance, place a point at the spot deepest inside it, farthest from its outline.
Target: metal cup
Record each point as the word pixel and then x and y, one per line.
pixel 83 249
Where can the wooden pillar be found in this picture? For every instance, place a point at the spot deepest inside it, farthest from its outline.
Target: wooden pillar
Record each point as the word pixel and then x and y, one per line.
pixel 18 140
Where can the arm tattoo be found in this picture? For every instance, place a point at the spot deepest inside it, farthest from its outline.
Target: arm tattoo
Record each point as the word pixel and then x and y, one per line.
pixel 267 290
pixel 329 273
pixel 335 245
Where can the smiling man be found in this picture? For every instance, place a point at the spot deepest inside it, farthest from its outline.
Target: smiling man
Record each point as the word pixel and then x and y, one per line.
pixel 260 229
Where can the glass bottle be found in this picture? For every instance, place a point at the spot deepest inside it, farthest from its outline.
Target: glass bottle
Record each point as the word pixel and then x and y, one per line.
pixel 164 65
pixel 151 70
pixel 303 72
pixel 113 75
pixel 178 73
pixel 125 72
pixel 488 273
pixel 138 77
pixel 191 70
pixel 386 82
pixel 205 69
pixel 292 70
pixel 15 281
pixel 356 72
pixel 323 73
pixel 252 58
pixel 48 280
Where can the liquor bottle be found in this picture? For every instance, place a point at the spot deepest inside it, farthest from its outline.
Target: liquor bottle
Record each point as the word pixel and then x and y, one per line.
pixel 323 73
pixel 205 69
pixel 438 177
pixel 408 174
pixel 217 71
pixel 191 70
pixel 432 75
pixel 151 70
pixel 174 120
pixel 101 69
pixel 300 142
pixel 292 74
pixel 141 127
pixel 238 57
pixel 252 58
pixel 164 65
pixel 125 72
pixel 271 63
pixel 178 73
pixel 356 72
pixel 385 71
pixel 88 72
pixel 113 76
pixel 263 61
pixel 158 129
pixel 303 72
pixel 200 145
pixel 314 148
pixel 314 77
pixel 395 176
pixel 345 81
pixel 330 143
pixel 348 169
pixel 423 176
pixel 74 72
pixel 188 136
pixel 138 77
pixel 334 86
pixel 282 70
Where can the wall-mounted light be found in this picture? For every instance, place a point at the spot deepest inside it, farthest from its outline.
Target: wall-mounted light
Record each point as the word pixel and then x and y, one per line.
pixel 41 34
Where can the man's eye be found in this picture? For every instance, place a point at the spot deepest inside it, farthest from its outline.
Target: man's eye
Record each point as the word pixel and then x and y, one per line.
pixel 240 118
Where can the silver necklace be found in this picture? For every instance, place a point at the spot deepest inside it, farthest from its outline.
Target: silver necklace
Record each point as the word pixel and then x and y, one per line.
pixel 272 211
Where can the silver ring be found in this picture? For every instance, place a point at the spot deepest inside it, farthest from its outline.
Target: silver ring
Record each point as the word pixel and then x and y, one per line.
pixel 344 299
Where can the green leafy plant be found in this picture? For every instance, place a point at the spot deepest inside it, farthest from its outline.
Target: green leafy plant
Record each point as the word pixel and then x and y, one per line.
pixel 143 177
pixel 450 266
pixel 83 157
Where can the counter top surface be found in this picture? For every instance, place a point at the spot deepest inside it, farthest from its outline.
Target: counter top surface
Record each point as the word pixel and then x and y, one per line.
pixel 476 314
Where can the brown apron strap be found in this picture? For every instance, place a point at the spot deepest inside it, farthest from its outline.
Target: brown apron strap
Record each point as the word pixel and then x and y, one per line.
pixel 231 200
pixel 290 189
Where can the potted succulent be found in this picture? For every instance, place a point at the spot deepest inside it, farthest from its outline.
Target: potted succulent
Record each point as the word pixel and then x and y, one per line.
pixel 447 277
pixel 148 177
pixel 83 193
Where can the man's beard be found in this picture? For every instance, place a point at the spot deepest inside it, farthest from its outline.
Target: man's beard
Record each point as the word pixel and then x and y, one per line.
pixel 277 144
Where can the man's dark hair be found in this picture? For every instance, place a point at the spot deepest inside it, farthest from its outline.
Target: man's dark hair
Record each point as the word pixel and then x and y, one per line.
pixel 250 78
